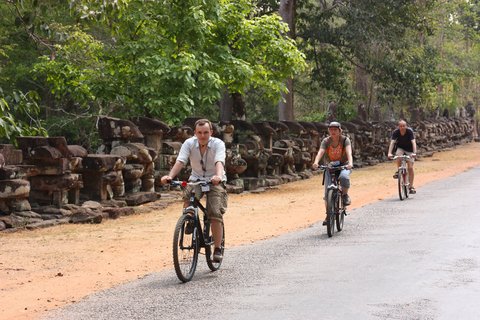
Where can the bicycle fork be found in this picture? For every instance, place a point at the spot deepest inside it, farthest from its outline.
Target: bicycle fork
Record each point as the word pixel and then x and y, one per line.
pixel 336 191
pixel 403 171
pixel 193 213
pixel 338 205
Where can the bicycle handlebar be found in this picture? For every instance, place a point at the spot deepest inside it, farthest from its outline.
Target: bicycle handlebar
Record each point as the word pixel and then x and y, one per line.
pixel 336 168
pixel 184 184
pixel 402 156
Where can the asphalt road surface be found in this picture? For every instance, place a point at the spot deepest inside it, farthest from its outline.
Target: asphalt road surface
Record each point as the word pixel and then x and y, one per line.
pixel 412 259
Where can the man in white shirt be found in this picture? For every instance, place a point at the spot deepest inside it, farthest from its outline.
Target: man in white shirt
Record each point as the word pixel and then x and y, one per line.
pixel 207 159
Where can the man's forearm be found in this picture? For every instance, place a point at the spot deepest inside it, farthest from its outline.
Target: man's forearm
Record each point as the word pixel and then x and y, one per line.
pixel 219 169
pixel 390 148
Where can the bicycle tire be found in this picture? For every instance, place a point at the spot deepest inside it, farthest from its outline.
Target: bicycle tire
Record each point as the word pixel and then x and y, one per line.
pixel 406 184
pixel 185 249
pixel 401 183
pixel 340 214
pixel 210 246
pixel 331 195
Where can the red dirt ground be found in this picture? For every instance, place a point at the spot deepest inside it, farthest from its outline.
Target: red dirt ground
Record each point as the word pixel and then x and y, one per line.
pixel 44 269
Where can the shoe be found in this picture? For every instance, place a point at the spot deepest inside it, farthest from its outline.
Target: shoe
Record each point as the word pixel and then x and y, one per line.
pixel 325 222
pixel 189 227
pixel 346 200
pixel 395 176
pixel 217 255
pixel 412 190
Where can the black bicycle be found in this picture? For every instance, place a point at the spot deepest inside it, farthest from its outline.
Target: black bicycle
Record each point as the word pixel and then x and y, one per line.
pixel 403 178
pixel 190 236
pixel 336 210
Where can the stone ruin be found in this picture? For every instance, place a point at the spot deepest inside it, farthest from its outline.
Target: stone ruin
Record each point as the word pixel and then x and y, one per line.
pixel 48 182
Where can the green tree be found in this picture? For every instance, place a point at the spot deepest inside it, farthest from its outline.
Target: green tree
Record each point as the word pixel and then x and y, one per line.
pixel 457 39
pixel 19 116
pixel 166 59
pixel 382 38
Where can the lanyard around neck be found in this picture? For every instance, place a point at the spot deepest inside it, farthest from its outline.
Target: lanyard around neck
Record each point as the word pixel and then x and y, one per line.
pixel 202 162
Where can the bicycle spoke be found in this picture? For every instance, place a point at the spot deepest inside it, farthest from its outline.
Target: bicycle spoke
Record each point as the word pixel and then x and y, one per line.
pixel 185 249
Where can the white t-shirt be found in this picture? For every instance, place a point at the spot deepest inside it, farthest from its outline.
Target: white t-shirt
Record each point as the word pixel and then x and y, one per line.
pixel 203 167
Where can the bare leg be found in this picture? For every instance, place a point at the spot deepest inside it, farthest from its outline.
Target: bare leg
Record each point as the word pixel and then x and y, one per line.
pixel 326 211
pixel 411 174
pixel 217 232
pixel 399 163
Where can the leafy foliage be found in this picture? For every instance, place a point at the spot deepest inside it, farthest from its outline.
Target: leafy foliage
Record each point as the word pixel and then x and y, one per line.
pixel 18 116
pixel 167 59
pixel 376 36
pixel 78 59
pixel 409 49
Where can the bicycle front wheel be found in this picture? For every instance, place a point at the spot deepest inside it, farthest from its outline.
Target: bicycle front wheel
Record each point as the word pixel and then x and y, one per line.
pixel 185 249
pixel 340 214
pixel 331 210
pixel 210 246
pixel 401 184
pixel 406 183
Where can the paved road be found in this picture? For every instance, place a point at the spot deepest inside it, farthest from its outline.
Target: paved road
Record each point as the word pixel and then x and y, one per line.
pixel 412 259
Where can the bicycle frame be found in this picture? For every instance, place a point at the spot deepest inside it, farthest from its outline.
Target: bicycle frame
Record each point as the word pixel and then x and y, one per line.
pixel 193 207
pixel 403 163
pixel 403 177
pixel 335 206
pixel 188 241
pixel 334 185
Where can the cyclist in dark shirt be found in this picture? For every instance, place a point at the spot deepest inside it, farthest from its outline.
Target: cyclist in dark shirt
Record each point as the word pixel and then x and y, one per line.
pixel 404 140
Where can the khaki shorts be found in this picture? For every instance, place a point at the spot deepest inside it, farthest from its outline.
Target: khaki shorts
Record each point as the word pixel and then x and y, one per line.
pixel 217 199
pixel 401 152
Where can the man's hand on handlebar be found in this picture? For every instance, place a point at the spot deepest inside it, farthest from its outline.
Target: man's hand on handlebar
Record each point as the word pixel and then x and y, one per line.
pixel 215 180
pixel 390 156
pixel 165 179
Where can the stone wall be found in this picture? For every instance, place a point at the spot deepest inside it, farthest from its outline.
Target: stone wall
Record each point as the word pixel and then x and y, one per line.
pixel 48 182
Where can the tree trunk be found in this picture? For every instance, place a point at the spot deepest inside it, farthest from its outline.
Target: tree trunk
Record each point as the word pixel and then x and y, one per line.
pixel 285 107
pixel 226 107
pixel 287 12
pixel 232 107
pixel 238 107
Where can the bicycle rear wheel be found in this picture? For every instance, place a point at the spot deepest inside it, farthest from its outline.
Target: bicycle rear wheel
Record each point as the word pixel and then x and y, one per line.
pixel 340 214
pixel 401 185
pixel 331 210
pixel 210 246
pixel 185 249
